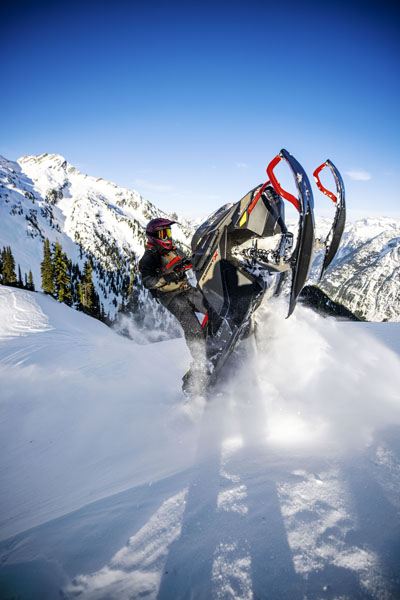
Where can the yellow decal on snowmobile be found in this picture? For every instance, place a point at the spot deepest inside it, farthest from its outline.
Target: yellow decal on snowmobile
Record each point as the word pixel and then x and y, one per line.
pixel 243 219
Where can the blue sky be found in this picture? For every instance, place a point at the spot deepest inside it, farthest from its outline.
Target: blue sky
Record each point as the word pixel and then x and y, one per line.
pixel 187 102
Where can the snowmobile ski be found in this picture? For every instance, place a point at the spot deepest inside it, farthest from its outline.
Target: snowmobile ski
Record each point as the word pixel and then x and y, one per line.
pixel 335 233
pixel 300 260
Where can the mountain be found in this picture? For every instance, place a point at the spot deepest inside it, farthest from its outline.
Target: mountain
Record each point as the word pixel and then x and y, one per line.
pixel 365 275
pixel 46 197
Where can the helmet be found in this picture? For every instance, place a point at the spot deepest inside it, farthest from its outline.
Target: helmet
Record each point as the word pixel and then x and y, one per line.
pixel 158 234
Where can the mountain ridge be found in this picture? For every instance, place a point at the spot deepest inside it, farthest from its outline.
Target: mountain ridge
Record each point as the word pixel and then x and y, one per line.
pixel 46 196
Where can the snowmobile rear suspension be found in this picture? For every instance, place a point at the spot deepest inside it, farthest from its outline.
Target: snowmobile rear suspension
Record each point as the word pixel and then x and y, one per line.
pixel 275 260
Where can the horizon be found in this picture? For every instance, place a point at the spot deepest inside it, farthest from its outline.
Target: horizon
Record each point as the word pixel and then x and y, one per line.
pixel 351 215
pixel 188 104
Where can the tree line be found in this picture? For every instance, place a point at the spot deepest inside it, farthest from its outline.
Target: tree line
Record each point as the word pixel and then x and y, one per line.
pixel 63 280
pixel 8 275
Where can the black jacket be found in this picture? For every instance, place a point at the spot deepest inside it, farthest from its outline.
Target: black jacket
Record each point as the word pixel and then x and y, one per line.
pixel 151 267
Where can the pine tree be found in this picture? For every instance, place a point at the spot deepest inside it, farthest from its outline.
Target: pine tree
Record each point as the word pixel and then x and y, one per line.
pixel 46 268
pixel 97 307
pixel 20 282
pixel 8 267
pixel 86 289
pixel 76 277
pixel 30 285
pixel 62 279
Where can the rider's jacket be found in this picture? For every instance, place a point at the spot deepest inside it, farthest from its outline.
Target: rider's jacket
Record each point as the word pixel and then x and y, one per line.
pixel 153 265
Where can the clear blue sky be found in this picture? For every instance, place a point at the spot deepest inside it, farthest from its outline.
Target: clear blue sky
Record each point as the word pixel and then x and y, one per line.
pixel 187 102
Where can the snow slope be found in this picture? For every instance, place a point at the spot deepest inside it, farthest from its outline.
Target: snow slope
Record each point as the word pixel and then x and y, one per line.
pixel 285 486
pixel 83 392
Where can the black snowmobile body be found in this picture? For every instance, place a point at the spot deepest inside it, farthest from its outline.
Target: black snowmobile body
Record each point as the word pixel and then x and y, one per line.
pixel 232 291
pixel 234 274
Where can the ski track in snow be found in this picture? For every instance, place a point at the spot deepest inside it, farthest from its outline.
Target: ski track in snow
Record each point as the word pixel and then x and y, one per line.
pixel 24 318
pixel 281 472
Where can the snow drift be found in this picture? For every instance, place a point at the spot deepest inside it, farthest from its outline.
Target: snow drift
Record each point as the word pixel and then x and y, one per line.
pixel 286 485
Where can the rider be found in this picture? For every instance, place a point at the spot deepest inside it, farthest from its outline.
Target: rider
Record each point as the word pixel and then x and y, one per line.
pixel 163 273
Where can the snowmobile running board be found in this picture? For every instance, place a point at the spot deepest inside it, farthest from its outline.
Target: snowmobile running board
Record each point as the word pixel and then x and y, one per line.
pixel 234 276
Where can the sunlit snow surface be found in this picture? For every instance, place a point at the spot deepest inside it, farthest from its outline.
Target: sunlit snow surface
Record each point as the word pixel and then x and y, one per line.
pixel 286 485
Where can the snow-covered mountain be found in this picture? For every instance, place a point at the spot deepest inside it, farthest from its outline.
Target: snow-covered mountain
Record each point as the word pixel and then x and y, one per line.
pixel 45 196
pixel 365 275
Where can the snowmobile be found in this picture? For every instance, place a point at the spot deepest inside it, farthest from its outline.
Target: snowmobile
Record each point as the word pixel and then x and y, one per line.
pixel 233 271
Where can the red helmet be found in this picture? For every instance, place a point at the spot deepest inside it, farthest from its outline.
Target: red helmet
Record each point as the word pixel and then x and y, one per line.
pixel 158 233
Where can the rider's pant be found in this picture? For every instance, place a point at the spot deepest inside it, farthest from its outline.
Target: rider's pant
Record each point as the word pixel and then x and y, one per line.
pixel 184 307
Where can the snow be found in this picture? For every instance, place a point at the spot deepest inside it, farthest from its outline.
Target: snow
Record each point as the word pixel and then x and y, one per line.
pixel 138 566
pixel 67 378
pixel 114 487
pixel 20 314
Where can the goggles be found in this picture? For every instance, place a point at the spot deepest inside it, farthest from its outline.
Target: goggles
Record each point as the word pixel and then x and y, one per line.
pixel 164 234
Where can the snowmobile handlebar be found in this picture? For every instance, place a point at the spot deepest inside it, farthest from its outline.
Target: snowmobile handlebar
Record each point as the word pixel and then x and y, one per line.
pixel 184 264
pixel 322 188
pixel 277 186
pixel 178 264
